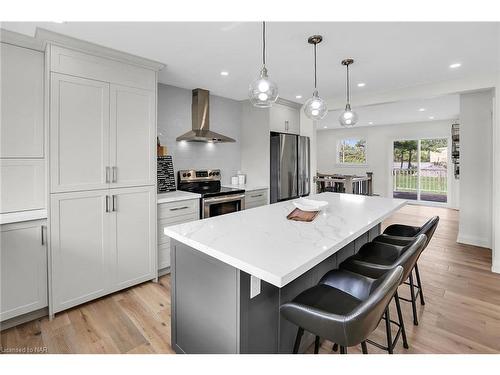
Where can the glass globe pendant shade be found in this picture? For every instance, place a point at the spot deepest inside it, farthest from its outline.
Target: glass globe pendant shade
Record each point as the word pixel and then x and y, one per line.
pixel 348 118
pixel 263 92
pixel 315 107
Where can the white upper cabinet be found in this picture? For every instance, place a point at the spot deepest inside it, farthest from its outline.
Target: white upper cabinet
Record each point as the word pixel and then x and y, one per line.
pixel 284 119
pixel 133 136
pixel 22 130
pixel 79 134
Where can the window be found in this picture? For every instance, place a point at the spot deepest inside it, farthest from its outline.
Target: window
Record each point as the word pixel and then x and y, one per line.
pixel 351 151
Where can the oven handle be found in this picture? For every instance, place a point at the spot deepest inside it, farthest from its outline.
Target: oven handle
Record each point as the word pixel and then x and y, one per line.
pixel 227 198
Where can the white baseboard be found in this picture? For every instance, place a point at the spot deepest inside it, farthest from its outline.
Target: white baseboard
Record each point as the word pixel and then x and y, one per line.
pixel 495 268
pixel 473 240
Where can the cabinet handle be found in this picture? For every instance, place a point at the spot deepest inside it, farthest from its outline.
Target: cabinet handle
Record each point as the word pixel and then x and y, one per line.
pixel 107 203
pixel 256 196
pixel 115 174
pixel 107 175
pixel 179 208
pixel 286 125
pixel 114 202
pixel 43 234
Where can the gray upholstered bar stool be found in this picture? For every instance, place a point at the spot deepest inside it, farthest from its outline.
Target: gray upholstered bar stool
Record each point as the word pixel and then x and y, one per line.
pixel 346 313
pixel 402 235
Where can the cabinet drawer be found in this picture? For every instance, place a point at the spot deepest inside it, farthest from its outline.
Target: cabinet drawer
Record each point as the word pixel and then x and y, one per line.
pixel 255 196
pixel 168 221
pixel 254 204
pixel 164 255
pixel 182 208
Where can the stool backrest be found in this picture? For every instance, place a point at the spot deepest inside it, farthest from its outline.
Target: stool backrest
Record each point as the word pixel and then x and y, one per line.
pixel 410 254
pixel 364 319
pixel 429 228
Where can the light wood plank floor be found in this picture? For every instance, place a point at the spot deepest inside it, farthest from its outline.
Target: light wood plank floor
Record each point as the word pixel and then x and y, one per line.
pixel 461 315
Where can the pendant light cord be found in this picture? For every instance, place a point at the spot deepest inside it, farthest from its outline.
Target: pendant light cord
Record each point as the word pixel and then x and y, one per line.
pixel 315 75
pixel 348 87
pixel 264 43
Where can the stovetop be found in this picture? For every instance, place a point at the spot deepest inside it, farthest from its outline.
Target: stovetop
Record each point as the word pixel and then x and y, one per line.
pixel 205 182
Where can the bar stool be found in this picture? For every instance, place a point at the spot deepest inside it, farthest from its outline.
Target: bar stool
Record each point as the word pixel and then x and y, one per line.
pixel 376 258
pixel 329 310
pixel 401 235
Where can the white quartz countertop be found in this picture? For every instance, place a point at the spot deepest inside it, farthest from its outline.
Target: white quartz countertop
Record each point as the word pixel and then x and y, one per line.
pixel 247 187
pixel 175 196
pixel 16 217
pixel 263 243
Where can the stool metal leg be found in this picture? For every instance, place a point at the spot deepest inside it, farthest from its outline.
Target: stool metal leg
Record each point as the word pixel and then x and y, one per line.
pixel 343 350
pixel 413 300
pixel 364 348
pixel 316 345
pixel 419 285
pixel 401 322
pixel 300 332
pixel 388 330
pixel 335 347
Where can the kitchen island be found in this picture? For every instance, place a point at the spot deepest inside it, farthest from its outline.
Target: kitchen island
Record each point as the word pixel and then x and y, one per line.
pixel 231 273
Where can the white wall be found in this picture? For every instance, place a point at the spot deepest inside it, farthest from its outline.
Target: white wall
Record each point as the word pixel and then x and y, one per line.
pixel 174 119
pixel 476 181
pixel 496 181
pixel 379 140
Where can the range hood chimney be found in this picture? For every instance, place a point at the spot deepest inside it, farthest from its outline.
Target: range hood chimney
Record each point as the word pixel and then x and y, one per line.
pixel 200 109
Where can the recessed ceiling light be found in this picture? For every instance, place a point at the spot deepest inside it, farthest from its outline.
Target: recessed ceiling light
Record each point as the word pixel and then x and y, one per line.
pixel 361 84
pixel 298 96
pixel 58 21
pixel 455 65
pixel 421 109
pixel 224 73
pixel 324 127
pixel 370 123
pixel 431 117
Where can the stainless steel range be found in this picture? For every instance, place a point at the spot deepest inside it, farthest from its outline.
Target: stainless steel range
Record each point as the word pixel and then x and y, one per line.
pixel 215 199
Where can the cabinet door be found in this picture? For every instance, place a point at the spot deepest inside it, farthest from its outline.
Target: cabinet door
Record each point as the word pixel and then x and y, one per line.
pixel 79 133
pixel 23 269
pixel 80 233
pixel 278 118
pixel 293 120
pixel 22 184
pixel 21 80
pixel 134 235
pixel 133 136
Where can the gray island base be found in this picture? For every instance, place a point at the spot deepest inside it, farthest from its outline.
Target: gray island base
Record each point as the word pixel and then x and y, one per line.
pixel 212 308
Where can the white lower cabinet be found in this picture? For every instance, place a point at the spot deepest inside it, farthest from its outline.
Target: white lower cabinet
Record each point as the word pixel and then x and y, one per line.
pixel 173 213
pixel 255 198
pixel 101 241
pixel 23 259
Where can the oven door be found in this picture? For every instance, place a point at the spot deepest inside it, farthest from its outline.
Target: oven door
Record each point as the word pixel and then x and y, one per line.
pixel 222 205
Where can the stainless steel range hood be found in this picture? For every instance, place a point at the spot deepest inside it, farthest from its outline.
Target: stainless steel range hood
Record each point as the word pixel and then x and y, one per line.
pixel 200 109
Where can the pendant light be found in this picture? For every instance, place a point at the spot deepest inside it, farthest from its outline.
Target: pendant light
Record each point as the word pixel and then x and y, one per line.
pixel 315 107
pixel 263 92
pixel 348 118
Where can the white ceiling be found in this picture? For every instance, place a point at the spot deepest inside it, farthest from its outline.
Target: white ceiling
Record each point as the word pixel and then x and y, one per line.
pixel 388 55
pixel 439 108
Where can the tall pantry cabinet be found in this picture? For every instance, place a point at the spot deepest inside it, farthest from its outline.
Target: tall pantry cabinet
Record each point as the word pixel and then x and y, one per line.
pixel 102 171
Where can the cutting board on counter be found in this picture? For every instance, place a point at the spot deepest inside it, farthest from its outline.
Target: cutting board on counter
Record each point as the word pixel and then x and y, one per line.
pixel 165 173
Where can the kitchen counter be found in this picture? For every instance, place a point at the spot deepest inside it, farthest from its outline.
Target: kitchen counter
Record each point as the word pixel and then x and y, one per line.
pixel 239 268
pixel 263 243
pixel 176 196
pixel 16 217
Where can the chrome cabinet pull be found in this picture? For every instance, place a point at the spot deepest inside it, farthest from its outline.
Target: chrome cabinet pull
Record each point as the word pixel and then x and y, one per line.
pixel 107 175
pixel 115 174
pixel 179 208
pixel 107 203
pixel 286 124
pixel 114 203
pixel 256 196
pixel 43 234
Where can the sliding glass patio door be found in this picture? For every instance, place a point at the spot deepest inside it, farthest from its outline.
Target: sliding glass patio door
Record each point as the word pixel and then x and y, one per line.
pixel 420 170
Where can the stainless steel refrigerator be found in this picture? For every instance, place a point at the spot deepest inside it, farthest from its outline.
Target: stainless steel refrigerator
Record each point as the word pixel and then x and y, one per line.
pixel 290 166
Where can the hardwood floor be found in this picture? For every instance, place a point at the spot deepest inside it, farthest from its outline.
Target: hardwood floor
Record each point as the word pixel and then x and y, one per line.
pixel 461 315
